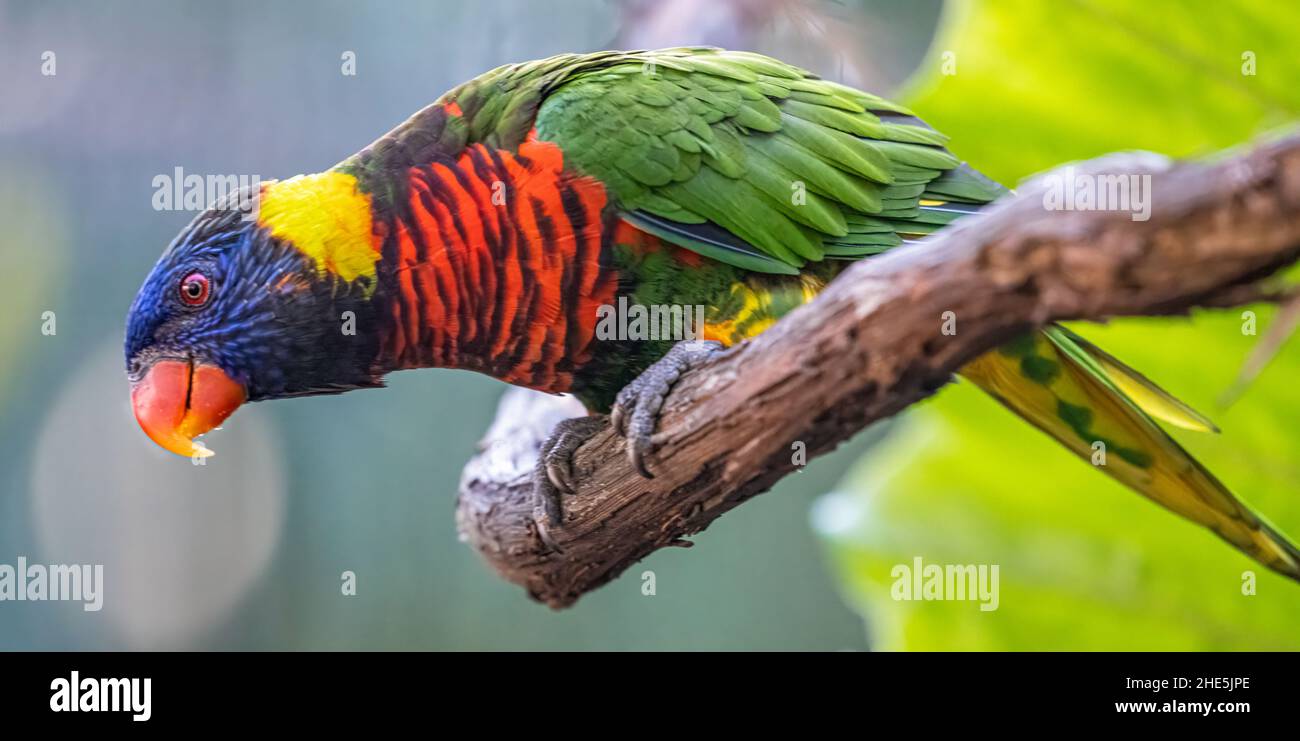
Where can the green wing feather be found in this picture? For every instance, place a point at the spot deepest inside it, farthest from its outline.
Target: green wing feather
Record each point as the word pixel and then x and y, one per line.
pixel 797 168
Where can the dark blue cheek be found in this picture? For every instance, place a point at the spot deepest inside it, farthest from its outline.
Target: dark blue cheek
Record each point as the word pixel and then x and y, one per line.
pixel 243 338
pixel 274 381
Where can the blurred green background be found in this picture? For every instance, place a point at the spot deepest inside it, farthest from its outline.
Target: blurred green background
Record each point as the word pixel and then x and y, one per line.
pixel 247 551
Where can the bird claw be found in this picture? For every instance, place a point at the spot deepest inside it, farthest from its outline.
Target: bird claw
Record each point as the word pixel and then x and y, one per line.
pixel 635 412
pixel 636 409
pixel 553 476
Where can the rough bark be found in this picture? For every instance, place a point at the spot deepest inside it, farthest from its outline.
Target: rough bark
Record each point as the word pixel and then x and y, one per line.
pixel 871 345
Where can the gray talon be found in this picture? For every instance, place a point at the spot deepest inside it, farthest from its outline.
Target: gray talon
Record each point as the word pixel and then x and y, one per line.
pixel 559 478
pixel 616 418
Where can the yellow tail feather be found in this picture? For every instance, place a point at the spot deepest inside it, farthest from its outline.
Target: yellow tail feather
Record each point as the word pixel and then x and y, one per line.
pixel 1055 385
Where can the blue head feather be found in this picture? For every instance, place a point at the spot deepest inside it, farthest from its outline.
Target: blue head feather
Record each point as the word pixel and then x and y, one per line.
pixel 271 323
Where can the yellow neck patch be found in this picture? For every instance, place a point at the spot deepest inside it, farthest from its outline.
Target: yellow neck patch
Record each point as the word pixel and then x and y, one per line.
pixel 326 218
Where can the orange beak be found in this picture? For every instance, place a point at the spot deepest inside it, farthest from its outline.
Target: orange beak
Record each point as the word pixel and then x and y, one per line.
pixel 177 401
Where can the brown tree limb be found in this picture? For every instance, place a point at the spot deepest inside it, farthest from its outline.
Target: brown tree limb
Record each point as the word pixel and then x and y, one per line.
pixel 871 345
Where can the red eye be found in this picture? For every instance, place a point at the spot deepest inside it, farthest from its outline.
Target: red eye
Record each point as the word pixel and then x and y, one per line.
pixel 194 289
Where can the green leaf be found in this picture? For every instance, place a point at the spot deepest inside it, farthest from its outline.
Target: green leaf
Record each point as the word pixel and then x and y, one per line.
pixel 1035 84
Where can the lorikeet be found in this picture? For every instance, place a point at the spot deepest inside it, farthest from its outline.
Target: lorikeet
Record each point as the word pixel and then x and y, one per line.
pixel 488 231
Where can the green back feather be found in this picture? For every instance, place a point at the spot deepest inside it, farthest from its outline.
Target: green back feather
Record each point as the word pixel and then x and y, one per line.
pixel 786 162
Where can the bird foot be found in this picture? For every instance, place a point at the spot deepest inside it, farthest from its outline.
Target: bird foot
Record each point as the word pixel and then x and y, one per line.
pixel 553 476
pixel 636 410
pixel 635 413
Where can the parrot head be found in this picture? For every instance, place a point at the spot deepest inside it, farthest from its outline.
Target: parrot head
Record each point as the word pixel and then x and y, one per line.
pixel 232 313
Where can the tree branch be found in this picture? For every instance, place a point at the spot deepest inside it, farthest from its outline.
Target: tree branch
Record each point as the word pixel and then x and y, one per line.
pixel 871 344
